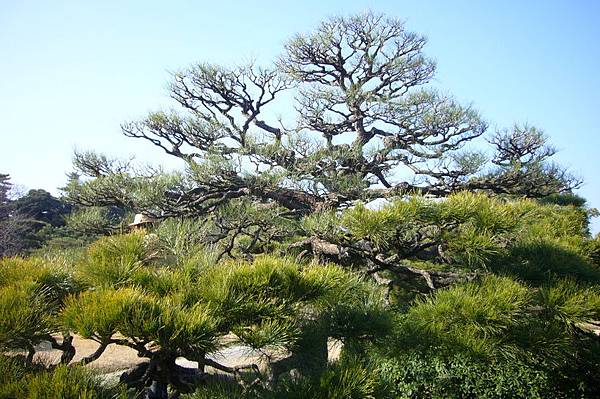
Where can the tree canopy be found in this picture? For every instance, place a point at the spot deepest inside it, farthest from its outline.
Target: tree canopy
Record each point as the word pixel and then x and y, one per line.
pixel 364 123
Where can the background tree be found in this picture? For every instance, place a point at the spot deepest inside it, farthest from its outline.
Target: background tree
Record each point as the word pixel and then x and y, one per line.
pixel 5 186
pixel 42 207
pixel 31 221
pixel 11 225
pixel 42 217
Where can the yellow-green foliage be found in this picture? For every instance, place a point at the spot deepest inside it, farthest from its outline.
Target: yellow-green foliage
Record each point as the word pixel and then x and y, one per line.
pixel 67 383
pixel 14 270
pixel 191 330
pixel 259 300
pixel 475 317
pixel 541 259
pixel 472 247
pixel 593 249
pixel 266 277
pixel 571 303
pixel 332 284
pixel 162 281
pixel 100 312
pixel 25 315
pixel 274 333
pixel 500 318
pixel 524 237
pixel 347 380
pixel 272 302
pixel 353 306
pixel 187 309
pixel 31 294
pixel 551 242
pixel 12 372
pixel 482 212
pixel 552 221
pixel 133 313
pixel 53 275
pixel 325 224
pixel 473 226
pixel 403 217
pixel 220 390
pixel 381 226
pixel 267 301
pixel 179 239
pixel 270 278
pixel 111 261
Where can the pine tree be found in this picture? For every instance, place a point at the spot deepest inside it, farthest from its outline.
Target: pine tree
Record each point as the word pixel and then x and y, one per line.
pixel 474 276
pixel 369 125
pixel 5 186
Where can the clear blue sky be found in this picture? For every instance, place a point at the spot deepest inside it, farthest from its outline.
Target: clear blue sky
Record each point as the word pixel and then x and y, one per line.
pixel 72 71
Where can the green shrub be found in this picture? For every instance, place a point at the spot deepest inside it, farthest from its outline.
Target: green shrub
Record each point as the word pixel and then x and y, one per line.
pixel 14 270
pixel 570 303
pixel 179 239
pixel 347 380
pixel 25 316
pixel 542 259
pixel 12 371
pixel 21 381
pixel 425 375
pixel 220 390
pixel 476 317
pixel 69 383
pixel 111 261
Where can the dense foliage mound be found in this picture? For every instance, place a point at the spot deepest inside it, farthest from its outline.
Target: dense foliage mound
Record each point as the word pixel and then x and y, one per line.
pixel 512 320
pixel 367 252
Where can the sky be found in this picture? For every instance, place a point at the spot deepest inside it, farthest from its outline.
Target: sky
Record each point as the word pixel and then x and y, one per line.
pixel 72 71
